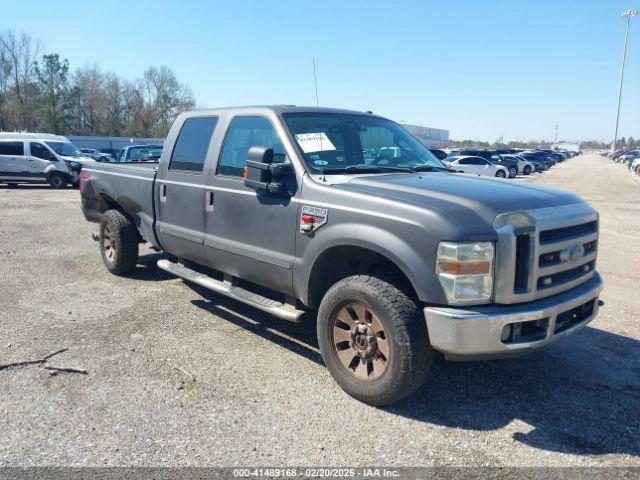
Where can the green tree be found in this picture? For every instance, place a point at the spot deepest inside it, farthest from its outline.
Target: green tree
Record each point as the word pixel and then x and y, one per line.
pixel 56 96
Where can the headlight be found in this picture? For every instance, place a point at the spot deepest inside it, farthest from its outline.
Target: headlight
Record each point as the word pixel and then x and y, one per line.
pixel 465 271
pixel 73 165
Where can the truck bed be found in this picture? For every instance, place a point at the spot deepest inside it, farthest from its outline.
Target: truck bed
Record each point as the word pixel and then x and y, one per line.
pixel 128 185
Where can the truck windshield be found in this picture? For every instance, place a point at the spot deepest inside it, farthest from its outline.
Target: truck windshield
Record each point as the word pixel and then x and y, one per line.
pixel 66 149
pixel 346 143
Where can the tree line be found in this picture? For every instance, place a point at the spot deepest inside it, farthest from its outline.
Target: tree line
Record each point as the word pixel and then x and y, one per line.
pixel 40 93
pixel 626 143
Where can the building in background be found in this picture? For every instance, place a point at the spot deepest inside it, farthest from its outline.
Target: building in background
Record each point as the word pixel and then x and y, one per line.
pixel 111 144
pixel 569 146
pixel 430 137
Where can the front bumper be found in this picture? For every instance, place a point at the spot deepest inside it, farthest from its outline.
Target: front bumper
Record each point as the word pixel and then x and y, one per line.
pixel 476 333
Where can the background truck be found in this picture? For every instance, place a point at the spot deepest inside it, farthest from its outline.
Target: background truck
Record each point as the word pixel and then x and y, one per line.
pixel 290 209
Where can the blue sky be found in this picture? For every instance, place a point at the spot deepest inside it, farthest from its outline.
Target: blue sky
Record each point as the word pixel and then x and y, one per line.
pixel 481 69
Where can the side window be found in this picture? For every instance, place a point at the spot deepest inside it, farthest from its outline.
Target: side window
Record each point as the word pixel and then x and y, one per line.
pixel 11 148
pixel 39 151
pixel 465 161
pixel 190 150
pixel 244 133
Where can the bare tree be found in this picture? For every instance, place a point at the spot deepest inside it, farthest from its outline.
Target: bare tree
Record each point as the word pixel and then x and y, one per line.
pixel 18 54
pixel 157 99
pixel 90 100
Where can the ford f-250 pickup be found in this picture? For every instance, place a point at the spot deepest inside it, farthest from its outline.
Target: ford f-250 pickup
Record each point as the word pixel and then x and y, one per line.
pixel 291 209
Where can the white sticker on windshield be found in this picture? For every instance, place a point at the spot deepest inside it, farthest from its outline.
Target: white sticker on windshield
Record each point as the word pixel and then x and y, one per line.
pixel 314 142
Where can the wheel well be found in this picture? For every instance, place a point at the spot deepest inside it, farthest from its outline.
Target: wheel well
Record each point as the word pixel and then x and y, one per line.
pixel 51 172
pixel 337 263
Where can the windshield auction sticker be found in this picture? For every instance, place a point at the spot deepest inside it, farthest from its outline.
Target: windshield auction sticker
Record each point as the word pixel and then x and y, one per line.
pixel 314 142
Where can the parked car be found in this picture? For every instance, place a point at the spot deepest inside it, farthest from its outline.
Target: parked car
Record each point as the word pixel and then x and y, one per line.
pixel 276 208
pixel 629 157
pixel 140 153
pixel 439 154
pixel 39 158
pixel 476 166
pixel 524 166
pixel 491 156
pixel 541 156
pixel 635 166
pixel 97 155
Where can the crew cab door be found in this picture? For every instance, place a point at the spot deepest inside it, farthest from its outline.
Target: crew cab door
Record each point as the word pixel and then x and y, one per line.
pixel 180 188
pixel 249 235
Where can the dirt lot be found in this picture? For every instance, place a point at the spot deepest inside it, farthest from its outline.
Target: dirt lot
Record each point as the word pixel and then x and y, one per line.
pixel 261 394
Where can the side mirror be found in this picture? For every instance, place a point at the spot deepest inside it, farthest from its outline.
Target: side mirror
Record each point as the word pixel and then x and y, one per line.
pixel 261 174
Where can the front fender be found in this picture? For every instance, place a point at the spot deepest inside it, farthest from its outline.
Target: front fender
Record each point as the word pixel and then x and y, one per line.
pixel 417 266
pixel 55 168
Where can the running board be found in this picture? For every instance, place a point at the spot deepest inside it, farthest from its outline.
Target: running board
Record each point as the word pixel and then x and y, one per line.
pixel 274 307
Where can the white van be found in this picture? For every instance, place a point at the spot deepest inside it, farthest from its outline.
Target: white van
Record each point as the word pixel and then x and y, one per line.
pixel 39 158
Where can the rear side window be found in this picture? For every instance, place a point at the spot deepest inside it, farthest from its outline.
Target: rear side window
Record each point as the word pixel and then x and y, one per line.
pixel 192 144
pixel 244 133
pixel 11 148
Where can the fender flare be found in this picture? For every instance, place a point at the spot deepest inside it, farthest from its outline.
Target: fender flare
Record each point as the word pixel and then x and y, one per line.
pixel 392 247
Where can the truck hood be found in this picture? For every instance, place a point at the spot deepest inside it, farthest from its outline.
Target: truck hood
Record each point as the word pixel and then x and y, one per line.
pixel 472 202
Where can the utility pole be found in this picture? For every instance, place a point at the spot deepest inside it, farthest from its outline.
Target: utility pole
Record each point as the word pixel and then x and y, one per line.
pixel 629 14
pixel 556 140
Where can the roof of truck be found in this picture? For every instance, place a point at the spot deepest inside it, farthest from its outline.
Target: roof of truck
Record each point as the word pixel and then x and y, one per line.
pixel 279 109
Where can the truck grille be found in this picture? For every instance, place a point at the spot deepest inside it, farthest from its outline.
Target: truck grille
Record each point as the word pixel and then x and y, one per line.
pixel 545 252
pixel 564 233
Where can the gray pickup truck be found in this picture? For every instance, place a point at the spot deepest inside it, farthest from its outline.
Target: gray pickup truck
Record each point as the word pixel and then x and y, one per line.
pixel 290 209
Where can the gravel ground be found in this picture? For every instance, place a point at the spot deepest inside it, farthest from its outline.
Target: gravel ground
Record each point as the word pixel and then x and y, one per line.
pixel 261 394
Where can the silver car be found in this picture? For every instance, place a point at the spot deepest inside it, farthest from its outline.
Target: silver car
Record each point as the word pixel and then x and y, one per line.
pixel 525 167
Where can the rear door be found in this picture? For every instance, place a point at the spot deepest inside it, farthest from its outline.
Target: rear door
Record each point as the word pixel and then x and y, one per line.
pixel 180 189
pixel 484 167
pixel 250 235
pixel 13 161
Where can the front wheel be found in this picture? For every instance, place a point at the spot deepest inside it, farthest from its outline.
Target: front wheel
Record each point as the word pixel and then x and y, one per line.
pixel 501 174
pixel 58 180
pixel 373 339
pixel 513 171
pixel 527 170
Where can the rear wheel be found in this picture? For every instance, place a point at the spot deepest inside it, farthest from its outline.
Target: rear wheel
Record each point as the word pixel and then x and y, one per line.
pixel 58 180
pixel 513 171
pixel 118 242
pixel 373 339
pixel 501 174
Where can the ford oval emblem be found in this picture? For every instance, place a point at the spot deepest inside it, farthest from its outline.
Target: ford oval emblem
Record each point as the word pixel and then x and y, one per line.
pixel 572 253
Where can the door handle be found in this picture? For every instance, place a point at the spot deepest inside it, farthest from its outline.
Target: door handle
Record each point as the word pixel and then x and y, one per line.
pixel 208 201
pixel 163 193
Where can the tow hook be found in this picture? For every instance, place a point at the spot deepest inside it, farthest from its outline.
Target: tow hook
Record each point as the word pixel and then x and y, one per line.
pixel 95 236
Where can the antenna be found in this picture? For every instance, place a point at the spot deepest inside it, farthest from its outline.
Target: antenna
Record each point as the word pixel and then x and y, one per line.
pixel 315 81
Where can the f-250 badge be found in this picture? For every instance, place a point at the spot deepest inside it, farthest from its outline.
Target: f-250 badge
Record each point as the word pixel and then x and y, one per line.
pixel 312 218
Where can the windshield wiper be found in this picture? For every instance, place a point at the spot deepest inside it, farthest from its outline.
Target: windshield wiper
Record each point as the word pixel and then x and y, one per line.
pixel 430 168
pixel 365 169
